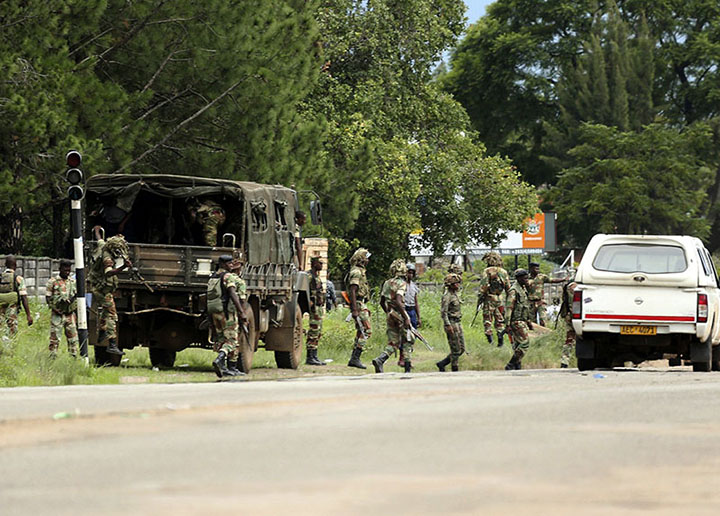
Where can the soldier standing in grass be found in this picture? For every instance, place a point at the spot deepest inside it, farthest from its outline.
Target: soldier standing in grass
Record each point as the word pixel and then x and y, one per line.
pixel 358 294
pixel 317 311
pixel 536 293
pixel 12 293
pixel 226 308
pixel 392 301
pixel 451 315
pixel 60 296
pixel 104 282
pixel 518 315
pixel 494 281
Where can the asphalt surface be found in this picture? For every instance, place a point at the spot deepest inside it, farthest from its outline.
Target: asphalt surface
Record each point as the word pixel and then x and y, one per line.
pixel 527 442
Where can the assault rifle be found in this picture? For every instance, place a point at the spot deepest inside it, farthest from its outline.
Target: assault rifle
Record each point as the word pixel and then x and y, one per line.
pixel 412 332
pixel 481 301
pixel 135 273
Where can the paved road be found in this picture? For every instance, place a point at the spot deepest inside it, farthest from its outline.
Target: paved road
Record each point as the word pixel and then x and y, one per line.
pixel 530 442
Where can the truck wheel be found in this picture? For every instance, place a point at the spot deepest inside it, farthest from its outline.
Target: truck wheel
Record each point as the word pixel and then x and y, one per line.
pixel 160 357
pixel 701 367
pixel 247 344
pixel 701 350
pixel 103 358
pixel 715 351
pixel 292 359
pixel 585 364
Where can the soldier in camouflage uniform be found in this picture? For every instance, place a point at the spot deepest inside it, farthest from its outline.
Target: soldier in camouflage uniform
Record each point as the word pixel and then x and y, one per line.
pixel 392 301
pixel 61 299
pixel 518 314
pixel 104 282
pixel 317 311
pixel 451 314
pixel 536 293
pixel 226 322
pixel 210 216
pixel 494 281
pixel 12 293
pixel 358 294
pixel 566 313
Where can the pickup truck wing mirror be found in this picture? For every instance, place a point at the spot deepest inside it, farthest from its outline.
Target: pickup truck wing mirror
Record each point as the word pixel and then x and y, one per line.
pixel 316 213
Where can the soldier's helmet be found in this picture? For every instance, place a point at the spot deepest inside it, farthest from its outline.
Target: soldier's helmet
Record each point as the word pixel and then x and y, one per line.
pixel 452 279
pixel 361 255
pixel 410 267
pixel 492 259
pixel 315 259
pixel 117 247
pixel 520 273
pixel 455 268
pixel 398 268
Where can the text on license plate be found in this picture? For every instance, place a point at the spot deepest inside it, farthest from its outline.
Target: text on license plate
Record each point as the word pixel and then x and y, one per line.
pixel 638 330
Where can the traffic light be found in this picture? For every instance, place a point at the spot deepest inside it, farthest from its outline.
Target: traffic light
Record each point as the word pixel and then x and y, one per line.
pixel 75 176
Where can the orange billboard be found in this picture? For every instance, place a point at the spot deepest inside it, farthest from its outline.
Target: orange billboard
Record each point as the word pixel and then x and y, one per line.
pixel 534 232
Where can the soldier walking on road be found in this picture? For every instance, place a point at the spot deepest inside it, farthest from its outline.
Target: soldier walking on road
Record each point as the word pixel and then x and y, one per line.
pixel 104 282
pixel 392 301
pixel 317 311
pixel 226 308
pixel 536 293
pixel 518 314
pixel 494 281
pixel 451 315
pixel 359 293
pixel 12 293
pixel 61 299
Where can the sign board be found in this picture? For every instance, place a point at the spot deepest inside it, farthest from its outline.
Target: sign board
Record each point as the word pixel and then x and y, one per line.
pixel 534 232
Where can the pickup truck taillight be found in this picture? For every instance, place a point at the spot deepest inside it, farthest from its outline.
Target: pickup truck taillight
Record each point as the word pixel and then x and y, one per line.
pixel 702 309
pixel 577 305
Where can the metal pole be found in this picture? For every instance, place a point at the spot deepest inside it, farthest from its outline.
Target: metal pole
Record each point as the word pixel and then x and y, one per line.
pixel 76 219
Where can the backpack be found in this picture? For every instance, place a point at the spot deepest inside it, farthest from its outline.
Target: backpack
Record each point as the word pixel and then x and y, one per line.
pixel 496 285
pixel 217 297
pixel 8 288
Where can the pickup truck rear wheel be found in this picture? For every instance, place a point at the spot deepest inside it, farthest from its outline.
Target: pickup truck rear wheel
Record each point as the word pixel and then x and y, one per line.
pixel 585 364
pixel 291 359
pixel 247 342
pixel 160 357
pixel 702 367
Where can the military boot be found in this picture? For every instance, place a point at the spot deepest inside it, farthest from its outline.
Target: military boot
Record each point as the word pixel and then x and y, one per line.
pixel 219 365
pixel 233 369
pixel 379 361
pixel 408 365
pixel 355 359
pixel 113 348
pixel 443 364
pixel 454 368
pixel 501 339
pixel 489 338
pixel 312 358
pixel 511 365
pixel 401 359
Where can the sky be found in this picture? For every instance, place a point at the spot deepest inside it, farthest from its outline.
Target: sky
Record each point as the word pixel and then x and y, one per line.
pixel 476 8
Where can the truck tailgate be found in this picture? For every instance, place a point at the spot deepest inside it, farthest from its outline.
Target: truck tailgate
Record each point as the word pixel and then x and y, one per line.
pixel 608 307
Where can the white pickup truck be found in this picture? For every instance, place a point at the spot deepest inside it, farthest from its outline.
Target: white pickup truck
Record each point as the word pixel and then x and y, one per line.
pixel 646 298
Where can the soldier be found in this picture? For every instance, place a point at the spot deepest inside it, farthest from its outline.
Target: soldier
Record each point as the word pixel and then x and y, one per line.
pixel 210 216
pixel 518 314
pixel 300 219
pixel 566 313
pixel 61 299
pixel 226 307
pixel 495 280
pixel 412 307
pixel 104 282
pixel 12 293
pixel 359 293
pixel 536 293
pixel 392 301
pixel 455 268
pixel 317 311
pixel 451 314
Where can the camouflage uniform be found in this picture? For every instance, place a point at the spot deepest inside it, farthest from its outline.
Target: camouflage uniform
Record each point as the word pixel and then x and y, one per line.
pixel 227 327
pixel 451 314
pixel 566 313
pixel 537 298
pixel 518 312
pixel 317 311
pixel 61 300
pixel 103 289
pixel 9 311
pixel 494 281
pixel 357 277
pixel 211 216
pixel 396 333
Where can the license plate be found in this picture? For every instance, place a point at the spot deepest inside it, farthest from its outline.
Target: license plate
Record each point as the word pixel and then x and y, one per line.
pixel 638 330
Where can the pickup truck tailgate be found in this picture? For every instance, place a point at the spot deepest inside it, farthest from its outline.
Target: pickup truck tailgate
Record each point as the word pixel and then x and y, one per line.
pixel 606 308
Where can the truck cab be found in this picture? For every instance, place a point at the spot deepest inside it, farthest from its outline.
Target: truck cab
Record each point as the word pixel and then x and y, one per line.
pixel 646 297
pixel 161 303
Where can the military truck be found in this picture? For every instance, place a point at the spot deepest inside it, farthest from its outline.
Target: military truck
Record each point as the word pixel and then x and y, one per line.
pixel 161 303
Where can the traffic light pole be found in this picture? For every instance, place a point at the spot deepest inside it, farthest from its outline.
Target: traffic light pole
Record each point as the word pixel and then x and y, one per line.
pixel 76 219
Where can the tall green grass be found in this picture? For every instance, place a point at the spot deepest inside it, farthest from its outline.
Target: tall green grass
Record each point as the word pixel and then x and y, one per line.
pixel 25 360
